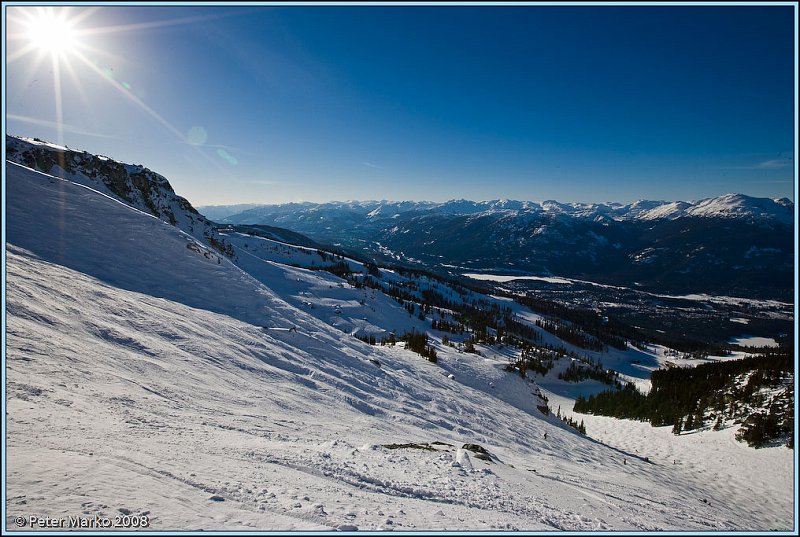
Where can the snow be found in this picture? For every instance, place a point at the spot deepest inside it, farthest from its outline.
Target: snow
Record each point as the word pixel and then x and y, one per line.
pixel 156 407
pixel 731 472
pixel 157 197
pixel 725 206
pixel 34 141
pixel 146 374
pixel 733 205
pixel 95 234
pixel 699 297
pixel 501 278
pixel 671 211
pixel 754 341
pixel 722 299
pixel 463 460
pixel 319 293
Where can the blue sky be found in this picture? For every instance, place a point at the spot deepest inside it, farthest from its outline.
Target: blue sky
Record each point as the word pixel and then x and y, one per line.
pixel 268 104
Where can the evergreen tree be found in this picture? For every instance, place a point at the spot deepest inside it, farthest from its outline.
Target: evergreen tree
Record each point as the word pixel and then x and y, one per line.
pixel 689 423
pixel 718 424
pixel 676 429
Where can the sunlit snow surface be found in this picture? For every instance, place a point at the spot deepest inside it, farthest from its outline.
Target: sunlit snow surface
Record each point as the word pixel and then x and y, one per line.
pixel 501 278
pixel 754 341
pixel 147 375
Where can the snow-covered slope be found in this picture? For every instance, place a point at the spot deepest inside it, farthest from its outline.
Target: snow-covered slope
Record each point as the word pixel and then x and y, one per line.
pixel 322 295
pixel 132 184
pixel 83 229
pixel 741 206
pixel 146 375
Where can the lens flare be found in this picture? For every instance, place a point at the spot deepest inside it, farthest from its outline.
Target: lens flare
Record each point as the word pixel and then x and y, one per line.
pixel 55 37
pixel 52 33
pixel 227 157
pixel 197 136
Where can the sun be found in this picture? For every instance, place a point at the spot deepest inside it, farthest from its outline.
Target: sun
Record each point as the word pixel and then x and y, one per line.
pixel 52 33
pixel 57 43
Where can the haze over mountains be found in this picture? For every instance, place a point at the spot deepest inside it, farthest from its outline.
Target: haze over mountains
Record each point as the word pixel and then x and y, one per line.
pixel 210 378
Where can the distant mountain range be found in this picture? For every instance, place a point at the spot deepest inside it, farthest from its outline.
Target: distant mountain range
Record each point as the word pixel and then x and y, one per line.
pixel 732 244
pixel 726 206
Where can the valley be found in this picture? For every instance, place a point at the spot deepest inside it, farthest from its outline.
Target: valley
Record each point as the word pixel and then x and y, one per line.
pixel 247 378
pixel 731 245
pixel 407 268
pixel 697 320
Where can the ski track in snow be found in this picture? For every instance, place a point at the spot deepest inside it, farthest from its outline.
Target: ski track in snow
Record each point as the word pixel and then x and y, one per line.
pixel 141 379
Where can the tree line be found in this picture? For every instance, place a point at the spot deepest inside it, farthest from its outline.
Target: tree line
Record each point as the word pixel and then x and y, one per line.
pixel 690 398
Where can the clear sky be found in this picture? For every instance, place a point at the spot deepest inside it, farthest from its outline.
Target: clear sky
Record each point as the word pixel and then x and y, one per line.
pixel 268 104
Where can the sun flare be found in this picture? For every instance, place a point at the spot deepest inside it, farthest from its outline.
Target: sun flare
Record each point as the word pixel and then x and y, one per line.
pixel 52 33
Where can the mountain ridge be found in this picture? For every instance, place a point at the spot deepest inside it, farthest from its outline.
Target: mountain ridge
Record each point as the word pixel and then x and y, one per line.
pixel 132 184
pixel 731 205
pixel 730 245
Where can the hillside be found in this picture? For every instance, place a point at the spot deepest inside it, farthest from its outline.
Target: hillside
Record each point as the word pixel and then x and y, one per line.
pixel 132 184
pixel 146 374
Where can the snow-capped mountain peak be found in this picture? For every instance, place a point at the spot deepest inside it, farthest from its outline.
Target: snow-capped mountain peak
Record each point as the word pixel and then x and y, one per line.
pixel 742 206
